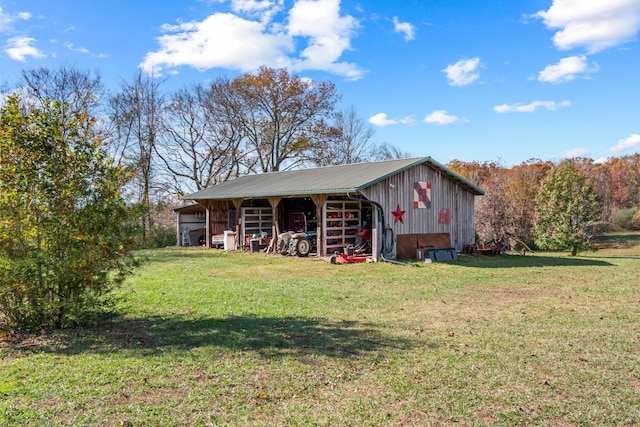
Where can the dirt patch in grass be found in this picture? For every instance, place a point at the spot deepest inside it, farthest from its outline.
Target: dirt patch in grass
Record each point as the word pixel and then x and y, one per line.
pixel 496 301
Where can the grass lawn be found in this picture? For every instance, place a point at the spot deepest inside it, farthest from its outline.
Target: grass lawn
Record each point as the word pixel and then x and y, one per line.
pixel 207 337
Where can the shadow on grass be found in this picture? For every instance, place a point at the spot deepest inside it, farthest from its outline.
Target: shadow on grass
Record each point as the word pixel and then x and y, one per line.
pixel 617 241
pixel 268 336
pixel 535 260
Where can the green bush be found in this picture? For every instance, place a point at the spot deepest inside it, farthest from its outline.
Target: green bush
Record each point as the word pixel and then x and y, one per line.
pixel 162 237
pixel 63 240
pixel 567 209
pixel 623 217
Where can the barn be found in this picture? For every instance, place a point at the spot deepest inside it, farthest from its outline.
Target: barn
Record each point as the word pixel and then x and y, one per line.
pixel 398 206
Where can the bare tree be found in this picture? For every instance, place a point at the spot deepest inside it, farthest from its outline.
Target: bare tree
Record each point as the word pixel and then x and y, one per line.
pixel 348 140
pixel 199 147
pixel 386 151
pixel 136 113
pixel 493 211
pixel 77 91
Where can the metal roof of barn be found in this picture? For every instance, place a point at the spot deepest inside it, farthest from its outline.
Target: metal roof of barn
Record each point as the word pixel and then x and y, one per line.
pixel 340 179
pixel 189 209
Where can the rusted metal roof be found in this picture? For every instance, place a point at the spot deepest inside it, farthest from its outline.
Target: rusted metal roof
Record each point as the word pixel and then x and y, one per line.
pixel 341 179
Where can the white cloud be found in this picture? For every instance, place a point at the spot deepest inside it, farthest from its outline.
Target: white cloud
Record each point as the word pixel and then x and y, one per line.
pixel 630 143
pixel 463 72
pixel 221 40
pixel 70 46
pixel 595 25
pixel 328 35
pixel 244 43
pixel 6 19
pixel 404 28
pixel 381 120
pixel 19 48
pixel 531 107
pixel 407 120
pixel 575 152
pixel 254 6
pixel 566 70
pixel 441 117
pixel 264 10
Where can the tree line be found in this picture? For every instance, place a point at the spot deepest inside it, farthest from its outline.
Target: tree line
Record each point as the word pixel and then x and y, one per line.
pixel 516 197
pixel 191 138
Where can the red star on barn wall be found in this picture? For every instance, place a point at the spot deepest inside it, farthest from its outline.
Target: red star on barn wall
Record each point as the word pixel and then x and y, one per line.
pixel 398 213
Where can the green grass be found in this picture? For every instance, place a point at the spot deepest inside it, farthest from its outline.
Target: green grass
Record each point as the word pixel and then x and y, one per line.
pixel 207 337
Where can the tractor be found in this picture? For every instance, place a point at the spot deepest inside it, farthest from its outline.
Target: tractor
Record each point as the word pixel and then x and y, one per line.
pixel 300 244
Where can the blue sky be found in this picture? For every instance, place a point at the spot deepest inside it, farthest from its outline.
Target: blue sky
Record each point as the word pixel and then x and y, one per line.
pixel 490 80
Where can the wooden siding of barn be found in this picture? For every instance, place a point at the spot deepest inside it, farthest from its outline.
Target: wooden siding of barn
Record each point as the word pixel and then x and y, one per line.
pixel 445 194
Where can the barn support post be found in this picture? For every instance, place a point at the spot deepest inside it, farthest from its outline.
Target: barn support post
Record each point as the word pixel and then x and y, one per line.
pixel 207 222
pixel 376 225
pixel 275 228
pixel 237 203
pixel 320 200
pixel 178 234
pixel 375 241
